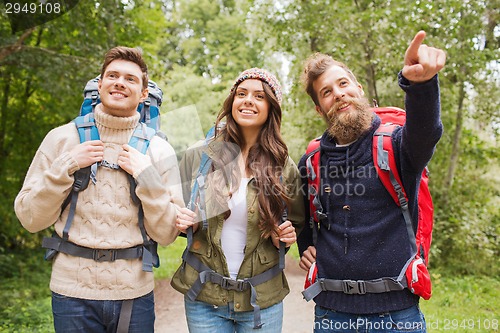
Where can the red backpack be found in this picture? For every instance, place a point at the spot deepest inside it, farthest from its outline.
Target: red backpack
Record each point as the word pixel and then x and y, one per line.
pixel 415 270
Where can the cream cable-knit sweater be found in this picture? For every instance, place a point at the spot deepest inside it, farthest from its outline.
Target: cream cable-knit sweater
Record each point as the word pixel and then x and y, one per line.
pixel 105 215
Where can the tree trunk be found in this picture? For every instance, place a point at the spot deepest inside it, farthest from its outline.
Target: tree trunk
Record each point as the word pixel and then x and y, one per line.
pixel 492 41
pixel 455 149
pixel 3 121
pixel 313 44
pixel 370 72
pixel 369 68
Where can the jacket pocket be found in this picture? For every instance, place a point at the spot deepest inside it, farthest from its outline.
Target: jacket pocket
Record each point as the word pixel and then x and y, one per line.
pixel 274 290
pixel 186 274
pixel 200 245
pixel 268 257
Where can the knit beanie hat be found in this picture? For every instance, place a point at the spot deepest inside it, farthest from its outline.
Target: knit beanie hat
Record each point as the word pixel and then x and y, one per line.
pixel 264 76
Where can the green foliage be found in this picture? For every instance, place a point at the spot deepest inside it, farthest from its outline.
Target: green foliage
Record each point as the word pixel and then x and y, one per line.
pixel 195 49
pixel 170 258
pixel 462 304
pixel 212 38
pixel 467 222
pixel 40 88
pixel 25 299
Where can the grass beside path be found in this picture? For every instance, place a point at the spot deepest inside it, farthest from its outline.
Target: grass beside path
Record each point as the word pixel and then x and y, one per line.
pixel 170 258
pixel 459 303
pixel 463 304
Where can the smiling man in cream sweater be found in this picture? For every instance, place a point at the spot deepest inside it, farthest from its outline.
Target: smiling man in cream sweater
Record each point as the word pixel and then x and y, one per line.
pixel 90 291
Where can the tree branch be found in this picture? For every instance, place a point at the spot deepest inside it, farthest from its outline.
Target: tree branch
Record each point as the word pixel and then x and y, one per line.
pixel 17 46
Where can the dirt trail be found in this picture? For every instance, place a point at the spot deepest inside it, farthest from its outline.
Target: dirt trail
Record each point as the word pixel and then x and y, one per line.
pixel 298 314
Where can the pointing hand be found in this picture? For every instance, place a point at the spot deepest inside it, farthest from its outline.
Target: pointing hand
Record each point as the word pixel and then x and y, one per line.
pixel 422 62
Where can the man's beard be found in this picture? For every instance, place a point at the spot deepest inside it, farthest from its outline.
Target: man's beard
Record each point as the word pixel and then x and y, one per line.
pixel 348 126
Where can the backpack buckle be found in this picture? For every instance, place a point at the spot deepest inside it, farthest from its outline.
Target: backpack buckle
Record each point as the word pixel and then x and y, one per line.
pixel 354 287
pixel 321 216
pixel 103 255
pixel 230 284
pixel 94 96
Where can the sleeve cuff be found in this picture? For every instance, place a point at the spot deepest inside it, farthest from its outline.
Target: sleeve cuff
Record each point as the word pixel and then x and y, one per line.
pixel 67 160
pixel 406 84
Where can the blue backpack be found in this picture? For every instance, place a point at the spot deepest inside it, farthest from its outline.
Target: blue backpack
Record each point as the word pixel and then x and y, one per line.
pixel 149 109
pixel 148 127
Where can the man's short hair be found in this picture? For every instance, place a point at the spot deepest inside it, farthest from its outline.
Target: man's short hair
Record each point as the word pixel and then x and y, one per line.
pixel 129 54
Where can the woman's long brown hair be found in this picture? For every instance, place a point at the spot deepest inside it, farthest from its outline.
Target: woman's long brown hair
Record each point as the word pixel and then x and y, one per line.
pixel 266 159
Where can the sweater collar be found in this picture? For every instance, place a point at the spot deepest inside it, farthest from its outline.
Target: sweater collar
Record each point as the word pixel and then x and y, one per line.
pixel 114 129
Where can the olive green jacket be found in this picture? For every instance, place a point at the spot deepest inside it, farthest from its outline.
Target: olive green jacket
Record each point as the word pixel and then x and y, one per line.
pixel 260 253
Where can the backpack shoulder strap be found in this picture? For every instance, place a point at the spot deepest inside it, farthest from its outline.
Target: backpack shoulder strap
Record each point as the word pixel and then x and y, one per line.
pixel 385 164
pixel 86 127
pixel 142 137
pixel 313 162
pixel 87 131
pixel 313 159
pixel 140 140
pixel 197 198
pixel 383 151
pixel 313 176
pixel 197 192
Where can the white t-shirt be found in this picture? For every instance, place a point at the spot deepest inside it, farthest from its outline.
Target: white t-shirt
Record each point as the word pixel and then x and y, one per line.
pixel 234 229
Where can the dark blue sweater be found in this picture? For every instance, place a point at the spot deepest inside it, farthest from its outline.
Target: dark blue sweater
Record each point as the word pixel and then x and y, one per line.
pixel 364 236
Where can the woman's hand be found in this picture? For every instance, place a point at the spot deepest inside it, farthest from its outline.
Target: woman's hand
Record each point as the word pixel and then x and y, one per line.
pixel 286 234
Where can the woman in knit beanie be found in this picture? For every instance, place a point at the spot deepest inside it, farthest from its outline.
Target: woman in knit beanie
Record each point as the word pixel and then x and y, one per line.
pixel 232 275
